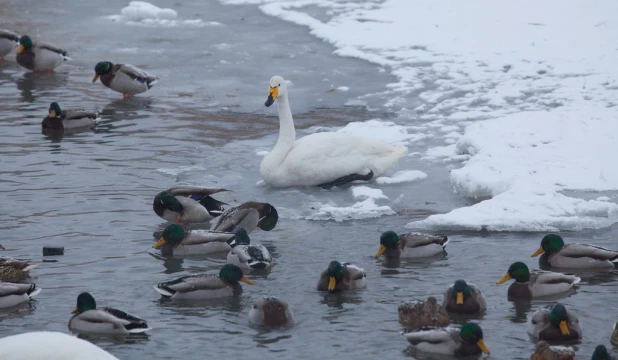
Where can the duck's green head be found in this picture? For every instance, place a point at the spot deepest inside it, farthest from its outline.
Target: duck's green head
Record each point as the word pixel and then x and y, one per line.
pixel 269 219
pixel 460 291
pixel 518 271
pixel 172 234
pixel 334 273
pixel 601 353
pixel 559 318
pixel 549 244
pixel 85 302
pixel 232 274
pixel 102 68
pixel 241 237
pixel 170 202
pixel 24 43
pixel 471 333
pixel 54 110
pixel 388 240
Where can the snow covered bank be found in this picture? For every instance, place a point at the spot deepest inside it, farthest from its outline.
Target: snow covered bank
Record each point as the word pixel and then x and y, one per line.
pixel 543 83
pixel 146 14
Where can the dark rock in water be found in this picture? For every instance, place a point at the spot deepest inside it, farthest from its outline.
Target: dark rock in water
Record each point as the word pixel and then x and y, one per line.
pixel 53 250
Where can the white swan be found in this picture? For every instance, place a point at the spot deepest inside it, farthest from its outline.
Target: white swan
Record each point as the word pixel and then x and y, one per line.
pixel 324 159
pixel 49 345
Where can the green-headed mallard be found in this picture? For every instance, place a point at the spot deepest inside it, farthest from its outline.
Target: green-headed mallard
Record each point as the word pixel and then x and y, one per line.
pixel 175 241
pixel 464 298
pixel 8 41
pixel 205 286
pixel 537 283
pixel 124 78
pixel 249 216
pixel 554 323
pixel 411 245
pixel 50 345
pixel 543 351
pixel 188 204
pixel 39 56
pixel 89 318
pixel 270 311
pixel 614 337
pixel 601 353
pixel 340 277
pixel 67 119
pixel 418 314
pixel 460 342
pixel 557 254
pixel 246 256
pixel 13 270
pixel 12 294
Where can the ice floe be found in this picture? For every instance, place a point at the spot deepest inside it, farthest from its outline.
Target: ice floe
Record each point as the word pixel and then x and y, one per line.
pixel 146 14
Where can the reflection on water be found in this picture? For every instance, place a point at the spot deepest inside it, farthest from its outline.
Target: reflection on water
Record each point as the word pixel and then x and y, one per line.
pixel 32 86
pixel 100 339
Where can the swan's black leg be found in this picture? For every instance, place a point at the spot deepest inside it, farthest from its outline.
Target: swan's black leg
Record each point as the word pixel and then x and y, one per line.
pixel 347 179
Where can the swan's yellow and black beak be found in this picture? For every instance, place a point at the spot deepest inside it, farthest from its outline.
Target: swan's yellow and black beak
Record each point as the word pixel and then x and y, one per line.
pixel 381 251
pixel 95 78
pixel 20 49
pixel 538 252
pixel 52 113
pixel 332 282
pixel 159 243
pixel 272 96
pixel 74 310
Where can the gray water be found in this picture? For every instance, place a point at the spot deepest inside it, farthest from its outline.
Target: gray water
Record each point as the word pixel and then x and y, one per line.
pixel 92 191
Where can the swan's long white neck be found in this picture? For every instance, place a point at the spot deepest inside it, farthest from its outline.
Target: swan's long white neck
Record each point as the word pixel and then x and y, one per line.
pixel 287 132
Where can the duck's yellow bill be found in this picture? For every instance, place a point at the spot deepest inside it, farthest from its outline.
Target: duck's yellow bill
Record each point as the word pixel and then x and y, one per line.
pixel 332 283
pixel 52 113
pixel 538 252
pixel 504 279
pixel 95 78
pixel 460 298
pixel 481 345
pixel 74 310
pixel 245 280
pixel 381 251
pixel 159 243
pixel 20 49
pixel 564 328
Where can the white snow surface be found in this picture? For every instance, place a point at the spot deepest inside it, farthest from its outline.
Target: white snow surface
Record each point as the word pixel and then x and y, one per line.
pixel 522 95
pixel 146 14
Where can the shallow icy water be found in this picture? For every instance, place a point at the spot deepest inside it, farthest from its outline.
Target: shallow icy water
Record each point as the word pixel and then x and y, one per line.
pixel 204 123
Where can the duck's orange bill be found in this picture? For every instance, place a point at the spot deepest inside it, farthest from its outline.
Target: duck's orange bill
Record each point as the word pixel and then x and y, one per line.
pixel 381 251
pixel 460 298
pixel 74 310
pixel 564 328
pixel 481 345
pixel 245 280
pixel 20 49
pixel 538 252
pixel 159 243
pixel 332 283
pixel 95 78
pixel 504 279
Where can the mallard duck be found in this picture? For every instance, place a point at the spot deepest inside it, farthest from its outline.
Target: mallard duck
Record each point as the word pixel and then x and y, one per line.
pixel 175 241
pixel 340 277
pixel 270 311
pixel 89 318
pixel 248 216
pixel 464 298
pixel 554 323
pixel 539 283
pixel 411 245
pixel 188 204
pixel 12 294
pixel 246 256
pixel 8 41
pixel 13 270
pixel 543 351
pixel 601 353
pixel 418 314
pixel 205 286
pixel 58 119
pixel 557 254
pixel 48 345
pixel 124 78
pixel 614 337
pixel 324 159
pixel 452 341
pixel 39 56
